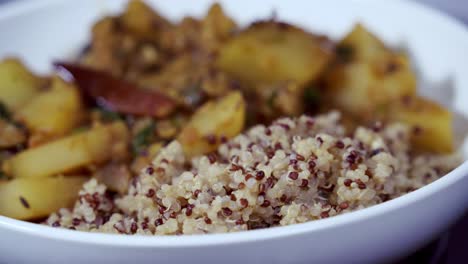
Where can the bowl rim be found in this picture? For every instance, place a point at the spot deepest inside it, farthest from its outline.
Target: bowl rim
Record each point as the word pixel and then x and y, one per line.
pixel 141 241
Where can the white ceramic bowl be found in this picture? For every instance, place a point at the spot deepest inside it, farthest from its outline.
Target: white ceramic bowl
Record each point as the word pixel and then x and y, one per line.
pixel 40 31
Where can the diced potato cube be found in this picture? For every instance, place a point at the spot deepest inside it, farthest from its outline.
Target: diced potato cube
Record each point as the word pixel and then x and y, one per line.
pixel 142 20
pixel 269 52
pixel 17 84
pixel 29 199
pixel 362 45
pixel 54 112
pixel 356 88
pixel 350 86
pixel 216 27
pixel 432 124
pixel 367 76
pixel 96 145
pixel 211 122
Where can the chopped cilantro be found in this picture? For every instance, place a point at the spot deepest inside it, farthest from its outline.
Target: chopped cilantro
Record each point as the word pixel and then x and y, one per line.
pixel 143 138
pixel 108 116
pixel 311 96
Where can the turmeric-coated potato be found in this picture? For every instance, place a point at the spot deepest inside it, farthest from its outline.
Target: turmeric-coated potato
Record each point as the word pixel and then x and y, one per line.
pixel 268 52
pixel 93 146
pixel 431 123
pixel 54 112
pixel 17 84
pixel 34 198
pixel 213 121
pixel 366 76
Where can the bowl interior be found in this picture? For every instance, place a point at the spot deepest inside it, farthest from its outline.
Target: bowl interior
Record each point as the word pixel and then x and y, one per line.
pixel 42 31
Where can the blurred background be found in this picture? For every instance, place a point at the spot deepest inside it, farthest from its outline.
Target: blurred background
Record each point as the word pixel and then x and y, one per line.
pixel 456 8
pixel 452 246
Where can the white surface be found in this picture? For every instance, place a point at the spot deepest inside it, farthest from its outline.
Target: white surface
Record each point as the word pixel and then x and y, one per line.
pixel 40 31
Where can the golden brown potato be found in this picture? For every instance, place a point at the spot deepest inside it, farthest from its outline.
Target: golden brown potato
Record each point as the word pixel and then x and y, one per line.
pixel 430 122
pixel 268 52
pixel 54 112
pixel 29 199
pixel 213 121
pixel 367 76
pixel 105 47
pixel 362 45
pixel 216 27
pixel 357 89
pixel 96 145
pixel 142 20
pixel 17 84
pixel 177 74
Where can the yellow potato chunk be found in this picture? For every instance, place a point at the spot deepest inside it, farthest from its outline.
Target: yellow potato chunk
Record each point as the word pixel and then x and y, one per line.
pixel 54 112
pixel 29 199
pixel 142 20
pixel 363 45
pixel 213 121
pixel 268 52
pixel 367 76
pixel 358 89
pixel 216 27
pixel 94 146
pixel 432 124
pixel 17 84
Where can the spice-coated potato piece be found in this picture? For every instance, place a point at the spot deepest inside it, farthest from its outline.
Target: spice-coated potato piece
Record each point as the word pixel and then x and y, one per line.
pixel 268 52
pixel 17 84
pixel 367 76
pixel 212 121
pixel 362 45
pixel 216 27
pixel 29 199
pixel 142 20
pixel 96 145
pixel 358 89
pixel 104 46
pixel 54 112
pixel 431 123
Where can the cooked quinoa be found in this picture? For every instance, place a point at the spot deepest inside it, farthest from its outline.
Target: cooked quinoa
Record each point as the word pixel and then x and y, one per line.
pixel 293 171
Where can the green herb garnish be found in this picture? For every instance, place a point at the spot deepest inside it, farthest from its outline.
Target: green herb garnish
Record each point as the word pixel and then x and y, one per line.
pixel 143 138
pixel 311 96
pixel 109 116
pixel 80 129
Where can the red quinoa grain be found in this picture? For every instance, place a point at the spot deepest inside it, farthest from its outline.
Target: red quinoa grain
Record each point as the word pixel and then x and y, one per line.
pixel 226 211
pixel 244 202
pixel 344 205
pixel 293 175
pixel 259 175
